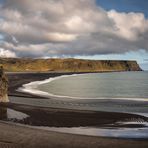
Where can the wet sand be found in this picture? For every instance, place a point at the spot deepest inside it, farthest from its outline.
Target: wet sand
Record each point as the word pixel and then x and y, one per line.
pixel 58 117
pixel 14 136
pixel 18 136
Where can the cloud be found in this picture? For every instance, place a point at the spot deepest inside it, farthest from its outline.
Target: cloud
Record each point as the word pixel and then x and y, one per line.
pixel 130 25
pixel 42 28
pixel 6 53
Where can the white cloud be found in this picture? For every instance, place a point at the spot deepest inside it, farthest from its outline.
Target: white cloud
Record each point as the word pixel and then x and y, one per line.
pixel 69 27
pixel 60 37
pixel 6 53
pixel 129 25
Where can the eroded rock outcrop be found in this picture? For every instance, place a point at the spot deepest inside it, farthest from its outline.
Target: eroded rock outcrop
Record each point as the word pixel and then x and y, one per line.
pixel 3 86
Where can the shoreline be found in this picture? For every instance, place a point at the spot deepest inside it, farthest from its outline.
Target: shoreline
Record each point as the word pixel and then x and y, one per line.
pixel 64 117
pixel 25 78
pixel 60 117
pixel 77 122
pixel 30 88
pixel 33 138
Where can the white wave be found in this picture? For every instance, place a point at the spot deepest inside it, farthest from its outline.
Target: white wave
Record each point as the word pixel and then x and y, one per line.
pixel 32 88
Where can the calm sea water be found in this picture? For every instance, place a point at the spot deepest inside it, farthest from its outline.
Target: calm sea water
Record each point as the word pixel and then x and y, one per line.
pixel 100 85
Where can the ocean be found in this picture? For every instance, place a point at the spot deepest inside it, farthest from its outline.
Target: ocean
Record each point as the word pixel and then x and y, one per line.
pixel 123 85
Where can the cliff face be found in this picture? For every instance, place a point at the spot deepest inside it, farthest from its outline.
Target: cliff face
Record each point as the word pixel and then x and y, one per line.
pixel 68 65
pixel 3 86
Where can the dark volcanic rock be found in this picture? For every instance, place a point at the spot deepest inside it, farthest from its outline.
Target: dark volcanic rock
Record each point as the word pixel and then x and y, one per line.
pixel 3 86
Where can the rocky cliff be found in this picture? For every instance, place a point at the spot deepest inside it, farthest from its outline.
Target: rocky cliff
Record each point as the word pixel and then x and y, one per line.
pixel 67 65
pixel 3 86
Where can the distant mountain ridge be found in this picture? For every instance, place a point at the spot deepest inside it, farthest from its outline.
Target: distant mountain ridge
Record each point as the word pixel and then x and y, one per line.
pixel 66 65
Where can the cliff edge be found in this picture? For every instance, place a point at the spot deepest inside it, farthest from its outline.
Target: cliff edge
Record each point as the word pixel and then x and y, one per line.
pixel 3 86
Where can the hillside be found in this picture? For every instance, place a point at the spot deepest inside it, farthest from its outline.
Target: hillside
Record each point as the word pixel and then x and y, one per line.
pixel 66 65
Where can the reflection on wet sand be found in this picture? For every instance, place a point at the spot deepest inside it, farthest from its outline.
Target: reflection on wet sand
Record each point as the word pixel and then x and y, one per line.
pixel 105 124
pixel 10 114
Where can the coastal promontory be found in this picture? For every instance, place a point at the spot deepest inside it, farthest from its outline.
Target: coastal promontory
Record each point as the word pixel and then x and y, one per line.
pixel 67 65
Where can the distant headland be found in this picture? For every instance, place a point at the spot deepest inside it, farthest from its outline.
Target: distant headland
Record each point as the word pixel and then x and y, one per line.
pixel 66 65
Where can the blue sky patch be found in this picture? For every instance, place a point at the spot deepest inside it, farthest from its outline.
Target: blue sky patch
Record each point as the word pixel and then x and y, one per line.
pixel 125 5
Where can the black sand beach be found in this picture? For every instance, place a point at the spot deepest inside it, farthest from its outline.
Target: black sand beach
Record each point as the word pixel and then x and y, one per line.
pixel 20 136
pixel 14 136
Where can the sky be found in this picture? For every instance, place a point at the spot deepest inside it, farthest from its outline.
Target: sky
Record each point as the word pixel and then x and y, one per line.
pixel 88 29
